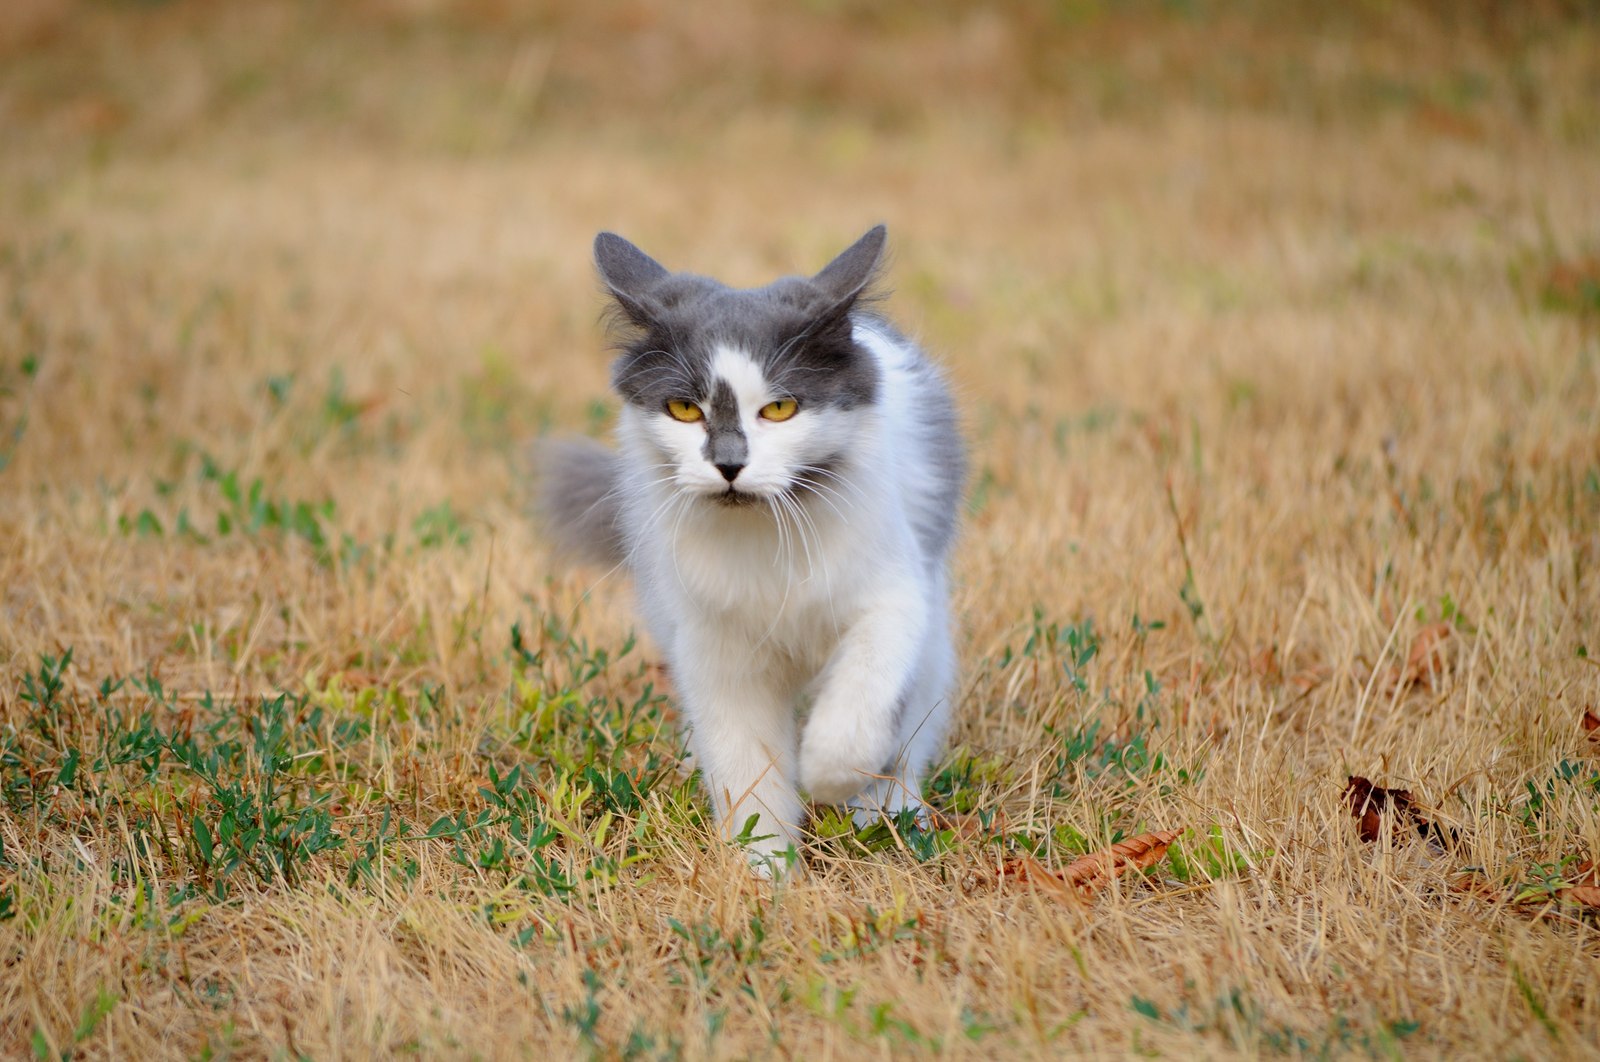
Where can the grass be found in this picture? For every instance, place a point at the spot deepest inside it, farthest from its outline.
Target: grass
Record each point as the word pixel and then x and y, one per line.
pixel 1276 338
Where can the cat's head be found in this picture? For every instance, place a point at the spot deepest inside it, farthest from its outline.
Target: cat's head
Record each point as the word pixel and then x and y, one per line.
pixel 744 395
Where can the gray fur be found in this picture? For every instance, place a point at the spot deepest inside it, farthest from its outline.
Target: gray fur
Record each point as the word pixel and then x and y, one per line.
pixel 726 446
pixel 935 517
pixel 798 329
pixel 847 275
pixel 628 271
pixel 578 500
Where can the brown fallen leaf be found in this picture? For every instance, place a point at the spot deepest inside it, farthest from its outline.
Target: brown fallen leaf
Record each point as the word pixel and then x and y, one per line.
pixel 1264 662
pixel 1585 887
pixel 660 675
pixel 1591 724
pixel 1040 876
pixel 1136 852
pixel 966 827
pixel 1310 678
pixel 1473 885
pixel 1367 803
pixel 1429 658
pixel 1570 285
pixel 1447 121
pixel 1091 871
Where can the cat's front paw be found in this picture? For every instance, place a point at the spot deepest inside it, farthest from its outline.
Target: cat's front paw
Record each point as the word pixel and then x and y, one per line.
pixel 834 778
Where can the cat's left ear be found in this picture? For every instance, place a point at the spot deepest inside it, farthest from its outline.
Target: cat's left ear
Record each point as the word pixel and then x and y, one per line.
pixel 844 279
pixel 629 274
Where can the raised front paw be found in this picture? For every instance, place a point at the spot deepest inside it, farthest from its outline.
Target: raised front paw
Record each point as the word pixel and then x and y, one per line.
pixel 833 776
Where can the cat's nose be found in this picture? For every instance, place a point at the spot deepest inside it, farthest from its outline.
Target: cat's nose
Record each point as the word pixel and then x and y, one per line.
pixel 730 472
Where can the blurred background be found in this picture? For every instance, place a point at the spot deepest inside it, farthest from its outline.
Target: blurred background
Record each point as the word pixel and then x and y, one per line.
pixel 341 251
pixel 472 76
pixel 1275 330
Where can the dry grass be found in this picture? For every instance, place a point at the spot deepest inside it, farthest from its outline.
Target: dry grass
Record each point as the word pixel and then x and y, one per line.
pixel 1276 339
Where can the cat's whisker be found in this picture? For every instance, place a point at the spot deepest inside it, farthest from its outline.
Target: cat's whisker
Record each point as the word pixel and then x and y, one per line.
pixel 793 510
pixel 784 554
pixel 788 585
pixel 825 494
pixel 820 470
pixel 821 553
pixel 677 570
pixel 816 490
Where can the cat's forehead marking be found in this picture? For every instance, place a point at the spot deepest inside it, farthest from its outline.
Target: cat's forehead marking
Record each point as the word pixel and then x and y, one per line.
pixel 743 376
pixel 725 440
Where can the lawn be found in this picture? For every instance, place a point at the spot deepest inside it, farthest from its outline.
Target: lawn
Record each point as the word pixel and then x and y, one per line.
pixel 1276 334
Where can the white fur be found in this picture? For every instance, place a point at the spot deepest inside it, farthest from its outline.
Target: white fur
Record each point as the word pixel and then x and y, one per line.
pixel 827 604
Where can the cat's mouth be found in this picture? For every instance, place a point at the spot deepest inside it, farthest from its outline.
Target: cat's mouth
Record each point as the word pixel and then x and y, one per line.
pixel 737 499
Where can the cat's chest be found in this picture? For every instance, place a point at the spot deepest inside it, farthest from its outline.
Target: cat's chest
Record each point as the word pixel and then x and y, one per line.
pixel 789 586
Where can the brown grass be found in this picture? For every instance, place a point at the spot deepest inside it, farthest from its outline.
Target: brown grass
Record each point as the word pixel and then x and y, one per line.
pixel 1247 312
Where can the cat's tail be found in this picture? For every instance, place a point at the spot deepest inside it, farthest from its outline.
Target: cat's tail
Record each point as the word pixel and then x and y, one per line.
pixel 579 498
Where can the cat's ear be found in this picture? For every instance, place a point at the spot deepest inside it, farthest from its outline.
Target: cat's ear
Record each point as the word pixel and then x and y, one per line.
pixel 846 277
pixel 629 273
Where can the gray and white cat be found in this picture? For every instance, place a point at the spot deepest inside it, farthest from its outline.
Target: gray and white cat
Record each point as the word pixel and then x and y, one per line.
pixel 785 496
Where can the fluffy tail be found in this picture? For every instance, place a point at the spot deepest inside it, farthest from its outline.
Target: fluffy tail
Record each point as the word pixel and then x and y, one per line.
pixel 578 484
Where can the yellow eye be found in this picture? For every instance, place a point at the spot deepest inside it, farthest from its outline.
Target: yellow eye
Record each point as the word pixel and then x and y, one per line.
pixel 782 409
pixel 687 412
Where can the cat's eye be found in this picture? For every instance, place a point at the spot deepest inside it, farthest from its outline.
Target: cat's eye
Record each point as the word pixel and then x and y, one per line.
pixel 782 409
pixel 687 412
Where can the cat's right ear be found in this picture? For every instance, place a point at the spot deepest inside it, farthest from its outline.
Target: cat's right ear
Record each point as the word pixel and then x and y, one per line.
pixel 629 273
pixel 843 279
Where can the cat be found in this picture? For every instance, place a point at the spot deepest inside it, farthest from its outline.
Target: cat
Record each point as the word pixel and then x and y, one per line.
pixel 785 495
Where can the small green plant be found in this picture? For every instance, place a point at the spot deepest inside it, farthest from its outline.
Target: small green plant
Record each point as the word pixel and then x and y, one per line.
pixel 249 510
pixel 256 818
pixel 263 781
pixel 103 1003
pixel 439 526
pixel 584 1017
pixel 1209 857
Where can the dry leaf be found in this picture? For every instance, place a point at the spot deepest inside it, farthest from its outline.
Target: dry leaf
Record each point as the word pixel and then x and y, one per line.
pixel 1585 887
pixel 1429 658
pixel 1038 875
pixel 1591 724
pixel 1367 802
pixel 1264 662
pixel 660 676
pixel 1312 677
pixel 1447 121
pixel 1473 885
pixel 1570 285
pixel 1426 646
pixel 1136 852
pixel 966 827
pixel 1093 870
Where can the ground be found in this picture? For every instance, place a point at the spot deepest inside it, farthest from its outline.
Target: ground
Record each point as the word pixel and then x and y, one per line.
pixel 1276 335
